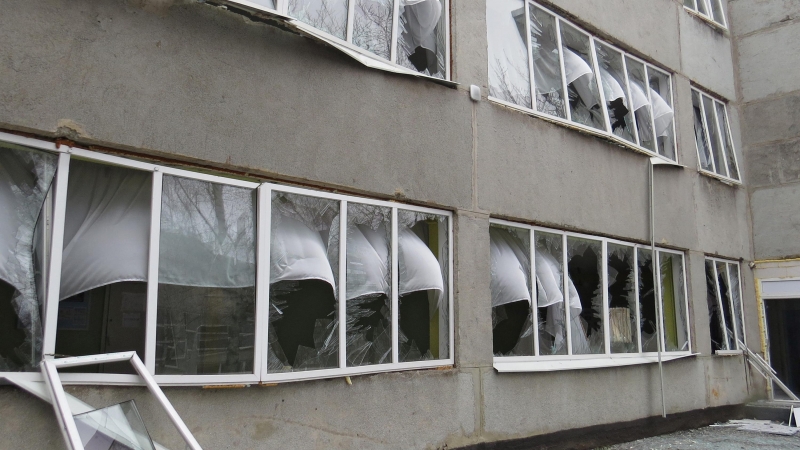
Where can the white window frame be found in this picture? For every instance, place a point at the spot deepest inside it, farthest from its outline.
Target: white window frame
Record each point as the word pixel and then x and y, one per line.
pixel 607 133
pixel 725 177
pixel 282 11
pixel 263 212
pixel 729 264
pixel 549 363
pixel 709 18
pixel 69 430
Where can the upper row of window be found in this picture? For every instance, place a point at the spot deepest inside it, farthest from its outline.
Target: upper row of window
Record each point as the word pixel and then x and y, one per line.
pixel 708 9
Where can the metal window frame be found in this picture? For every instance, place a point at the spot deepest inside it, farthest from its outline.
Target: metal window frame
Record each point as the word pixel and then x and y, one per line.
pixel 69 429
pixel 736 313
pixel 714 174
pixel 537 362
pixel 604 133
pixel 709 17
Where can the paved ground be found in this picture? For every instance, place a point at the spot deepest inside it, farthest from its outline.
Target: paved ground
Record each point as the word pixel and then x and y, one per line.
pixel 714 438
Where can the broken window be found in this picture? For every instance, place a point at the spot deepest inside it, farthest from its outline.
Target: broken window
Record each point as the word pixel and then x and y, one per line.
pixel 673 302
pixel 550 296
pixel 423 312
pixel 607 90
pixel 304 261
pixel 372 26
pixel 724 305
pixel 708 9
pixel 622 303
pixel 422 36
pixel 329 16
pixel 648 320
pixel 512 321
pixel 713 137
pixel 585 268
pixel 112 427
pixel 25 179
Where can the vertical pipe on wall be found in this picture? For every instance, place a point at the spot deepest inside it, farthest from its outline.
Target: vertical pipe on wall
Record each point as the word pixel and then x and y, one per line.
pixel 656 282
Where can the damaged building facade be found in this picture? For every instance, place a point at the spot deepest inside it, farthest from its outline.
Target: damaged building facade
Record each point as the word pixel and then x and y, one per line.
pixel 396 223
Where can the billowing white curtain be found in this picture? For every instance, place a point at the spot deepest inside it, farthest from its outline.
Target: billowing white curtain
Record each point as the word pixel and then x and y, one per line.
pixel 106 228
pixel 612 89
pixel 580 75
pixel 207 234
pixel 662 113
pixel 25 178
pixel 298 253
pixel 422 17
pixel 419 269
pixel 549 284
pixel 639 98
pixel 367 261
pixel 509 264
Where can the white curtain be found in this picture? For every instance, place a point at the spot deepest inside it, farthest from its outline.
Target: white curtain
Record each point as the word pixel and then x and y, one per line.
pixel 580 75
pixel 207 234
pixel 639 98
pixel 422 17
pixel 298 253
pixel 549 284
pixel 106 228
pixel 662 113
pixel 419 268
pixel 367 261
pixel 509 264
pixel 612 89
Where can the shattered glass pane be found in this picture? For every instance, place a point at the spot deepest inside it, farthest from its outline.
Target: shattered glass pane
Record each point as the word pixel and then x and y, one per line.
pixel 329 16
pixel 673 302
pixel 25 180
pixel 546 64
pixel 584 96
pixel 733 169
pixel 623 324
pixel 550 294
pixel 206 291
pixel 422 37
pixel 585 259
pixel 423 313
pixel 700 135
pixel 512 322
pixel 640 103
pixel 372 26
pixel 615 89
pixel 716 143
pixel 304 255
pixel 716 322
pixel 725 300
pixel 115 427
pixel 648 317
pixel 663 113
pixel 509 75
pixel 736 297
pixel 369 281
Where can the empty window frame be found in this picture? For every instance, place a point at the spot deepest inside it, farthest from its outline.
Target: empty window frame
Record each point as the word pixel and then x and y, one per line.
pixel 413 34
pixel 710 10
pixel 725 306
pixel 713 138
pixel 541 63
pixel 611 291
pixel 214 280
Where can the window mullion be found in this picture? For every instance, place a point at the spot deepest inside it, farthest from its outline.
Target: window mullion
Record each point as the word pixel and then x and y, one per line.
pixel 566 302
pixel 343 284
pixel 606 321
pixel 350 15
pixel 534 294
pixel 599 81
pixel 395 296
pixel 530 54
pixel 564 92
pixel 263 266
pixel 395 27
pixel 56 249
pixel 630 101
pixel 152 273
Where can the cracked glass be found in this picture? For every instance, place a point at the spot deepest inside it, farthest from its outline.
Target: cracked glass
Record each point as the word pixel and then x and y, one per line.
pixel 509 74
pixel 512 321
pixel 372 26
pixel 584 95
pixel 329 16
pixel 422 37
pixel 546 63
pixel 550 294
pixel 623 324
pixel 585 269
pixel 615 89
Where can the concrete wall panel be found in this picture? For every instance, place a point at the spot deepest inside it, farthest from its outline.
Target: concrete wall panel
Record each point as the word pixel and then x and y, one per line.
pixel 776 221
pixel 749 16
pixel 767 63
pixel 706 56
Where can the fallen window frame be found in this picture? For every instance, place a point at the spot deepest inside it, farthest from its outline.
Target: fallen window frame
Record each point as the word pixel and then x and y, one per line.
pixel 725 139
pixel 347 46
pixel 694 8
pixel 259 374
pixel 607 132
pixel 570 361
pixel 737 314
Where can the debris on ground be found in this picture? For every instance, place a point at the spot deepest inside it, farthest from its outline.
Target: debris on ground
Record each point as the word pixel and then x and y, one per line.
pixel 733 435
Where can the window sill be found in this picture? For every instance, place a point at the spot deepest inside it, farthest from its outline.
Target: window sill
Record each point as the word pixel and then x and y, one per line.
pixel 584 129
pixel 729 352
pixel 721 28
pixel 722 178
pixel 558 363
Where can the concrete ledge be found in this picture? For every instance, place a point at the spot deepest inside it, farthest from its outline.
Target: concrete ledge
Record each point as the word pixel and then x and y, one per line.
pixel 603 435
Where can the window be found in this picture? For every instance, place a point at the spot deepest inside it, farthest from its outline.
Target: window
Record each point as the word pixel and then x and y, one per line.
pixel 608 315
pixel 412 34
pixel 713 137
pixel 725 308
pixel 543 64
pixel 213 280
pixel 710 10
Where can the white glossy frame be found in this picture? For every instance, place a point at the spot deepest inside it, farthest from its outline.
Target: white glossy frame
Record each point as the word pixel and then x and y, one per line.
pixel 729 266
pixel 546 363
pixel 69 430
pixel 282 9
pixel 607 133
pixel 724 174
pixel 260 373
pixel 707 16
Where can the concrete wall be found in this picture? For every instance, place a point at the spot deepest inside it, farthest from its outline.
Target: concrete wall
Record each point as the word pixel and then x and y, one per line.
pixel 198 84
pixel 767 35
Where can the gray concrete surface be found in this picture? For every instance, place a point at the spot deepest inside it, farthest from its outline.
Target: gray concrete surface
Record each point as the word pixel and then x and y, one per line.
pixel 712 438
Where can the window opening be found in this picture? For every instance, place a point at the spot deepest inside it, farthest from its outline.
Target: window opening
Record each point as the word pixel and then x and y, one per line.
pixel 585 270
pixel 550 294
pixel 673 304
pixel 422 40
pixel 512 321
pixel 615 89
pixel 372 26
pixel 509 75
pixel 713 137
pixel 584 97
pixel 546 60
pixel 622 308
pixel 647 301
pixel 663 113
pixel 724 305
